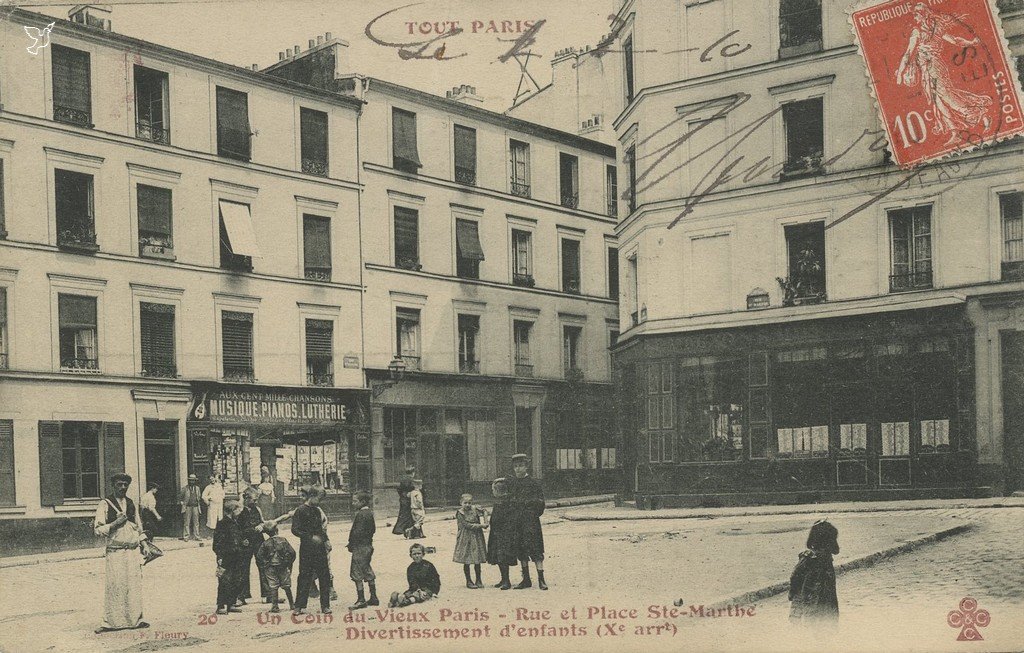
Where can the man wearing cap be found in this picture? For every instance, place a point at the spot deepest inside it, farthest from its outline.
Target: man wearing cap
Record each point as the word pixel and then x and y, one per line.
pixel 118 521
pixel 190 508
pixel 526 503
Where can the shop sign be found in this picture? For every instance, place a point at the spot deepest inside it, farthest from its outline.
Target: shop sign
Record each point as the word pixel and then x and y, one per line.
pixel 270 408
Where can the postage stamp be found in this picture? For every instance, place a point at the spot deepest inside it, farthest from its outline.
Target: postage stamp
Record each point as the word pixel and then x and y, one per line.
pixel 940 74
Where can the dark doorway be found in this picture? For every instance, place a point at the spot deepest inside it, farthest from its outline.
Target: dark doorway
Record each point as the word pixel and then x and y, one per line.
pixel 524 431
pixel 162 468
pixel 455 472
pixel 1013 409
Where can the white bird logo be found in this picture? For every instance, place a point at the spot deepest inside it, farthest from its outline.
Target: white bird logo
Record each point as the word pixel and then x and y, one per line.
pixel 40 37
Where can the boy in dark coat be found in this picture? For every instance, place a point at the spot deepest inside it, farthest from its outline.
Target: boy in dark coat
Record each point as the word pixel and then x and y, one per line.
pixel 308 526
pixel 812 587
pixel 360 544
pixel 526 501
pixel 250 524
pixel 500 541
pixel 424 582
pixel 227 545
pixel 275 558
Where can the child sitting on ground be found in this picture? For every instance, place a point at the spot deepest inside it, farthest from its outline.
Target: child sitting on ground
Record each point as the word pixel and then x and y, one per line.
pixel 424 583
pixel 470 548
pixel 276 557
pixel 812 587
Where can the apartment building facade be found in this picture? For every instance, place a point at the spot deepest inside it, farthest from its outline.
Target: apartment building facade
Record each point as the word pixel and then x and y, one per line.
pixel 179 276
pixel 797 324
pixel 491 274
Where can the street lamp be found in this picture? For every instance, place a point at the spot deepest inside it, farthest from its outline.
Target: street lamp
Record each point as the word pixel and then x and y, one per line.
pixel 396 370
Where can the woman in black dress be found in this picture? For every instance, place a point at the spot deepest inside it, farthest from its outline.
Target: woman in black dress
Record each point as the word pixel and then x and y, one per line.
pixel 404 521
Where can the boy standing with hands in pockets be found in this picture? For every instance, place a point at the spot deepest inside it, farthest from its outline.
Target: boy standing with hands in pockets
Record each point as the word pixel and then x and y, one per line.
pixel 360 544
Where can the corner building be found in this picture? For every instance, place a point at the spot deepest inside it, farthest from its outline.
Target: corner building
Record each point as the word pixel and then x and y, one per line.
pixel 491 274
pixel 179 280
pixel 787 339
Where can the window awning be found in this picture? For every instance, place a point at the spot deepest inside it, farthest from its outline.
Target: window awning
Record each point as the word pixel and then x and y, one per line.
pixel 241 234
pixel 467 238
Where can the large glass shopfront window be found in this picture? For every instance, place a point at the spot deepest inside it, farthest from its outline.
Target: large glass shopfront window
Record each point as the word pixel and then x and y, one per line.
pixel 229 454
pixel 713 396
pixel 314 459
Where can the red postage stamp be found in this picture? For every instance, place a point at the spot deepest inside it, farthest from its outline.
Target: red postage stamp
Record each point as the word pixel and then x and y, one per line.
pixel 941 75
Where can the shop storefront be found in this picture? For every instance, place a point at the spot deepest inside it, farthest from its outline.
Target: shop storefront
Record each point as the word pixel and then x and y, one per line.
pixel 307 436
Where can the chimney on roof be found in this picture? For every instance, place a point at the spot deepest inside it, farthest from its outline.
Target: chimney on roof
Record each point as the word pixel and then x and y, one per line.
pixel 319 40
pixel 465 94
pixel 563 67
pixel 280 56
pixel 91 15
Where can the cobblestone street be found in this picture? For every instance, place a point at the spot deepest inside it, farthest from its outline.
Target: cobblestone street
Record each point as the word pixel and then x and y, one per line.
pixel 618 566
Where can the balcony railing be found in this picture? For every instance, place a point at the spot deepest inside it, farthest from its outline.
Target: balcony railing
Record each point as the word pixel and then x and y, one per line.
pixel 411 362
pixel 236 262
pixel 156 247
pixel 570 200
pixel 91 365
pixel 318 274
pixel 320 379
pixel 465 176
pixel 148 132
pixel 239 375
pixel 524 369
pixel 1013 270
pixel 571 286
pixel 573 373
pixel 3 361
pixel 469 367
pixel 316 167
pixel 408 264
pixel 519 188
pixel 910 281
pixel 78 234
pixel 612 208
pixel 805 166
pixel 72 116
pixel 524 280
pixel 160 370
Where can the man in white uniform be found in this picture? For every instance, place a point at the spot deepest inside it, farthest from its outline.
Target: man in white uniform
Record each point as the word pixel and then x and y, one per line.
pixel 118 520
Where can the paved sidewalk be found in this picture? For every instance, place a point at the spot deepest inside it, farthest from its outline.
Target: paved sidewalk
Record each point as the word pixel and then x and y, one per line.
pixel 601 513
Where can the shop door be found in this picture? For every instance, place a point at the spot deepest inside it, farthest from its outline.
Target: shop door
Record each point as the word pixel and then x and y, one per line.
pixel 1013 409
pixel 455 473
pixel 162 468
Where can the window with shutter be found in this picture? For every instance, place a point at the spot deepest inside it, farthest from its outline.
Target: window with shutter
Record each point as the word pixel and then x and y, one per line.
pixel 469 330
pixel 152 105
pixel 407 335
pixel 51 467
pixel 237 350
pixel 313 137
pixel 237 237
pixel 1012 216
pixel 570 265
pixel 73 199
pixel 319 352
pixel 155 220
pixel 113 452
pixel 911 242
pixel 520 182
pixel 233 130
pixel 78 333
pixel 4 362
pixel 569 180
pixel 465 155
pixel 468 251
pixel 407 248
pixel 316 247
pixel 611 174
pixel 627 59
pixel 8 496
pixel 405 155
pixel 522 258
pixel 156 326
pixel 799 27
pixel 72 86
pixel 80 459
pixel 804 125
pixel 571 339
pixel 521 336
pixel 631 192
pixel 3 212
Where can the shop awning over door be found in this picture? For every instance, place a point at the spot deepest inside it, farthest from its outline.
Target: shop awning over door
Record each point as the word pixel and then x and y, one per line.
pixel 241 233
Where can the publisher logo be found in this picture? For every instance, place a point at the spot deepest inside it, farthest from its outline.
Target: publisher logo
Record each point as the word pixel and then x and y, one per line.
pixel 969 619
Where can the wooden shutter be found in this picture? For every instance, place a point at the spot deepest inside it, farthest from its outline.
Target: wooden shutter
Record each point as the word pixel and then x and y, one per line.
pixel 156 327
pixel 233 132
pixel 319 339
pixel 316 241
pixel 72 84
pixel 51 466
pixel 313 136
pixel 236 330
pixel 406 234
pixel 570 265
pixel 3 222
pixel 467 240
pixel 154 211
pixel 7 493
pixel 113 452
pixel 76 311
pixel 403 137
pixel 465 149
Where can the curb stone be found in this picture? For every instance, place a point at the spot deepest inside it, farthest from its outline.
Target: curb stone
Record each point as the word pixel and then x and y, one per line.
pixel 851 565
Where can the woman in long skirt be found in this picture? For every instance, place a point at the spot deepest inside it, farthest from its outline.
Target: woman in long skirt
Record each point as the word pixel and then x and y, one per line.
pixel 404 521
